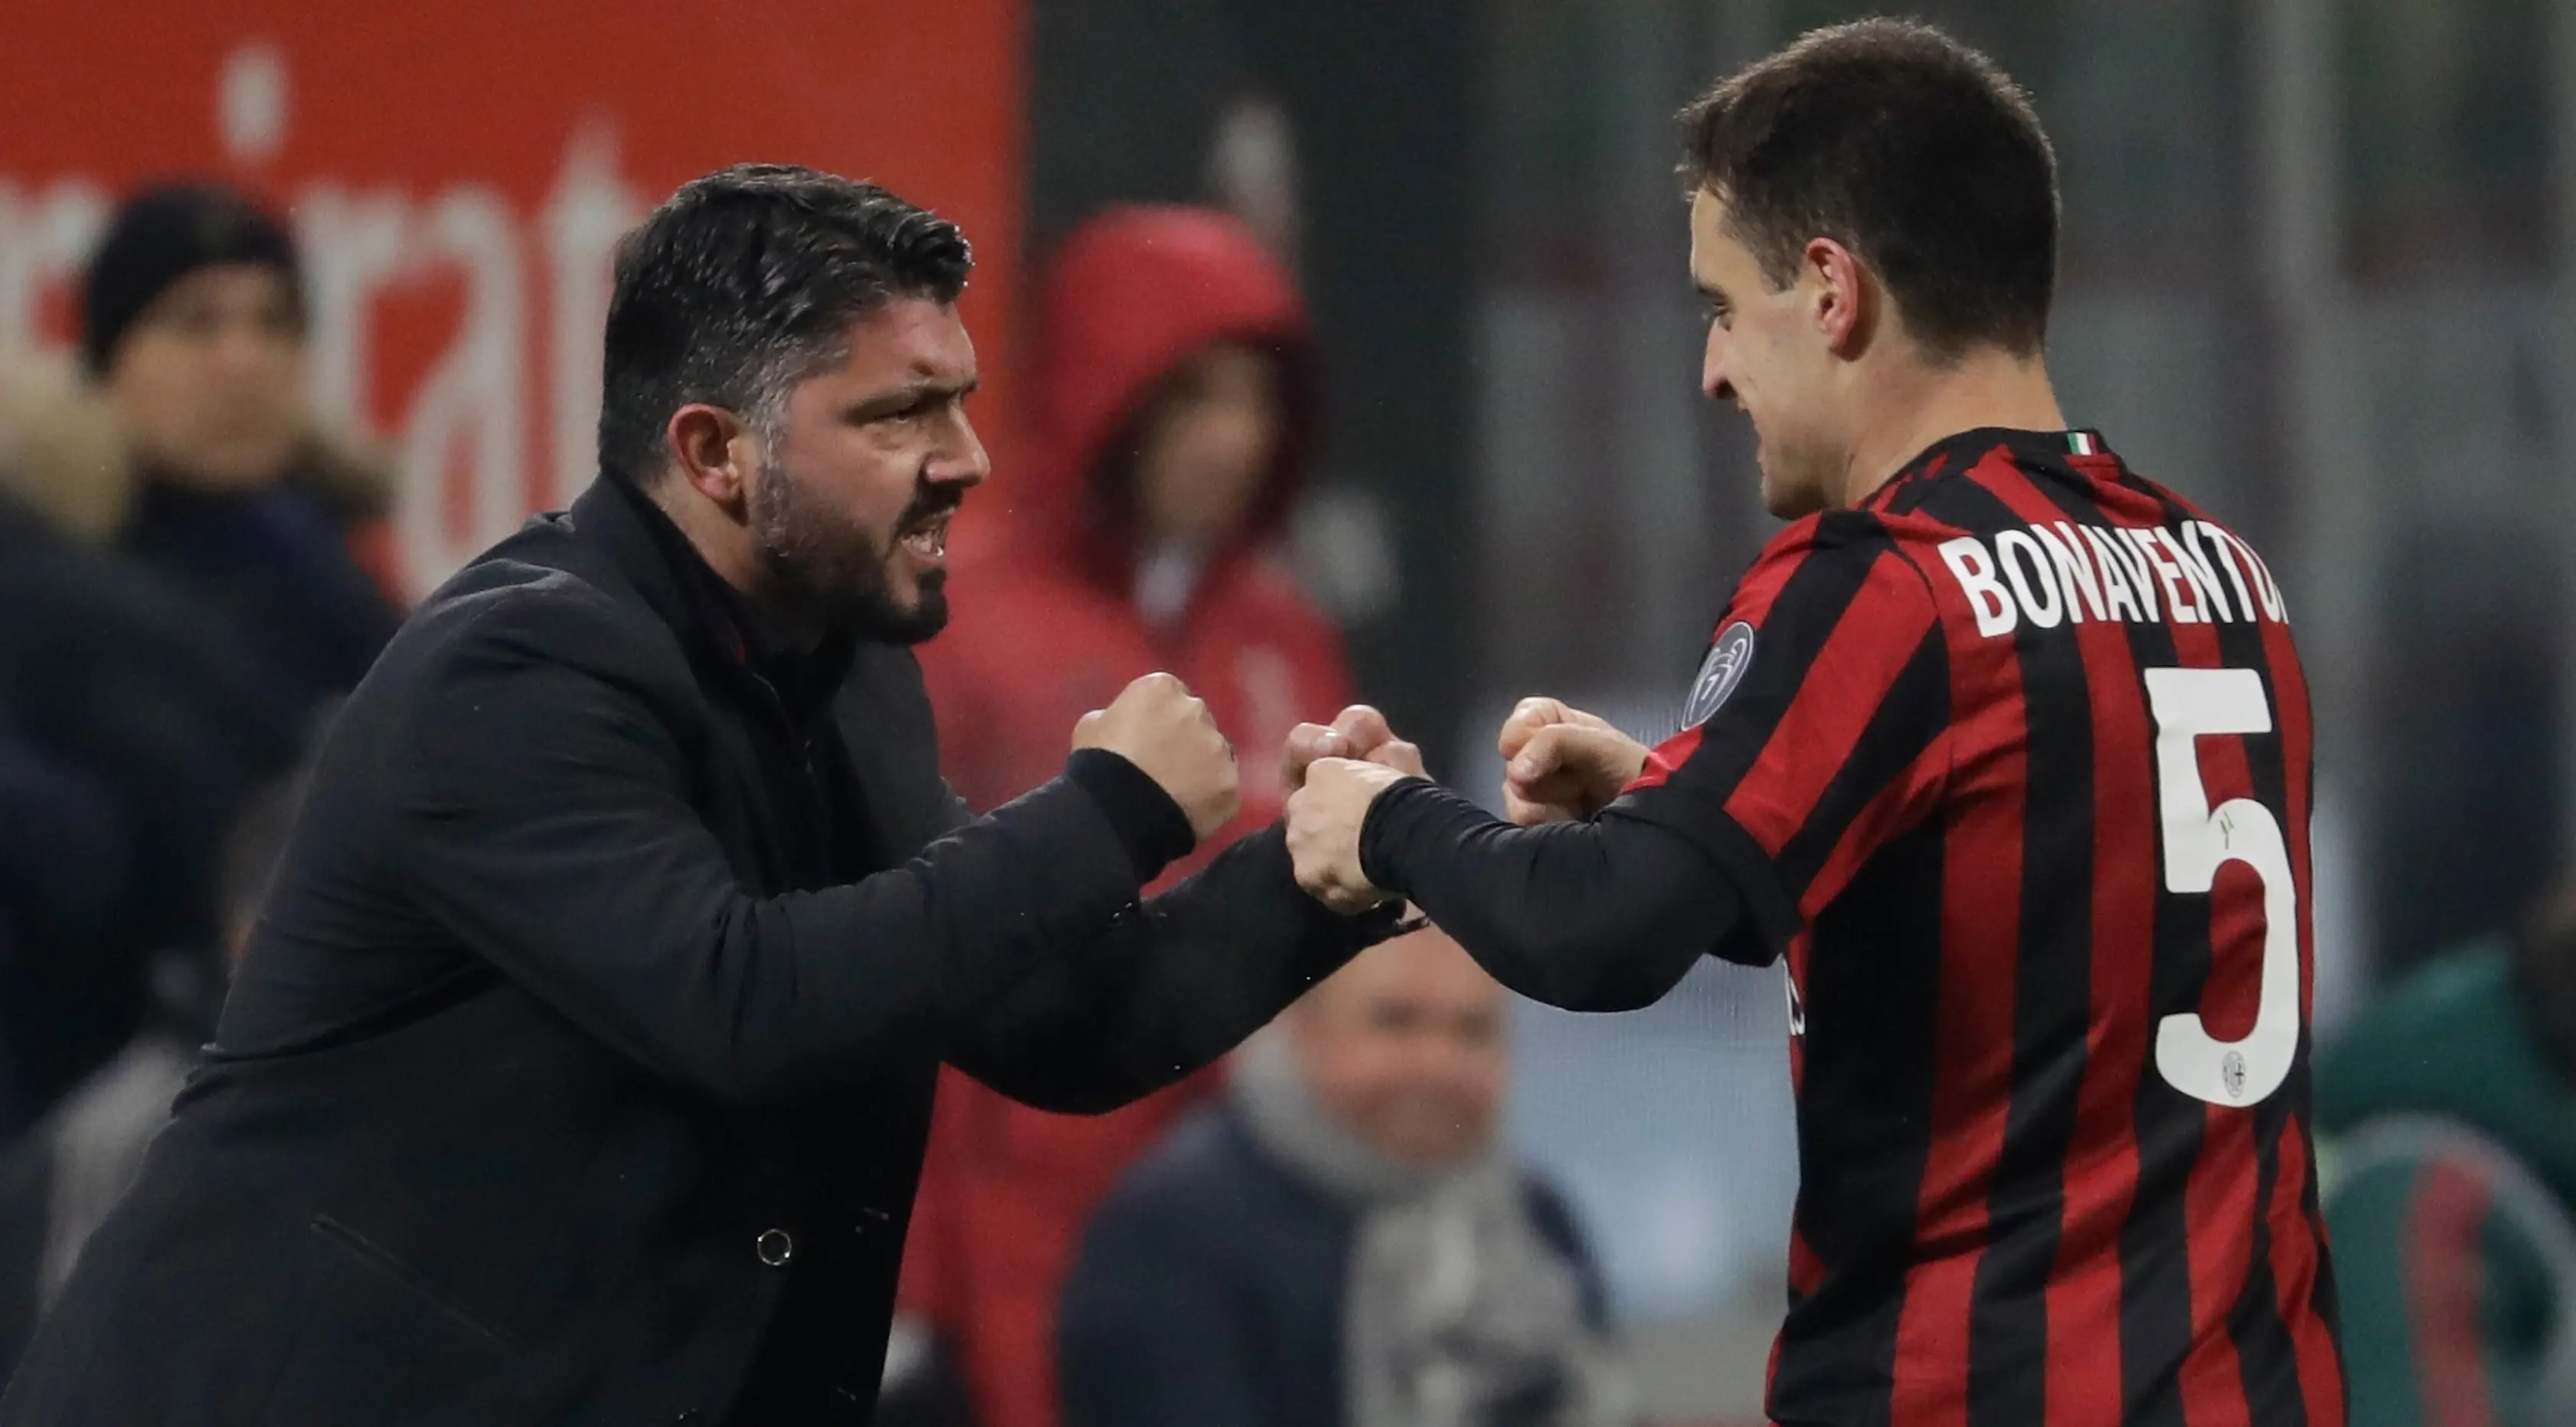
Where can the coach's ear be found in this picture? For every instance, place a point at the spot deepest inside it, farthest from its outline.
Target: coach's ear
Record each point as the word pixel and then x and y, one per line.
pixel 713 450
pixel 1844 297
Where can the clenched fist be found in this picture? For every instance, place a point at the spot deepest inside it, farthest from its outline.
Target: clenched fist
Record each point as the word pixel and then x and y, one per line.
pixel 1158 725
pixel 1358 732
pixel 1324 821
pixel 1561 764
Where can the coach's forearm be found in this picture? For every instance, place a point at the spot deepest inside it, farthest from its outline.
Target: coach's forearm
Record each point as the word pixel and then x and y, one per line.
pixel 1591 916
pixel 1167 987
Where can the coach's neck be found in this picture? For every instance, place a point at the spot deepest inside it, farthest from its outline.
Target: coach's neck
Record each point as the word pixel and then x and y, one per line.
pixel 720 539
pixel 1920 403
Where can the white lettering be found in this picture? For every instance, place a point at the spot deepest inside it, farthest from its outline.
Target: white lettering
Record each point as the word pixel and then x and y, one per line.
pixel 584 217
pixel 2117 592
pixel 2014 549
pixel 1975 569
pixel 2166 570
pixel 44 240
pixel 2074 569
pixel 352 246
pixel 2068 571
pixel 463 431
pixel 2269 589
pixel 471 397
pixel 2204 580
pixel 2220 557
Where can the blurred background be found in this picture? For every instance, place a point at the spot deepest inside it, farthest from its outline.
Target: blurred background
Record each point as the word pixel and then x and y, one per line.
pixel 2319 273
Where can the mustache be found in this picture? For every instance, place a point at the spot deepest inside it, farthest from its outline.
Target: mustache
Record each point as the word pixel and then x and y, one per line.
pixel 929 503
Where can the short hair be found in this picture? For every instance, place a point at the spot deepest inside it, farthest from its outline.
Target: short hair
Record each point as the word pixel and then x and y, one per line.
pixel 1913 150
pixel 743 284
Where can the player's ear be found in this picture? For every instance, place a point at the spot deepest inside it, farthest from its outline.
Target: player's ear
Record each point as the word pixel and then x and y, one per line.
pixel 1841 296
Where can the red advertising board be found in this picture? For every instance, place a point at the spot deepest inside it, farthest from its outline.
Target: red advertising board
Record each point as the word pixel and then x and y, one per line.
pixel 458 172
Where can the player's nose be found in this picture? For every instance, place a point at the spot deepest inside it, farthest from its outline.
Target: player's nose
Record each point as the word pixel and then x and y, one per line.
pixel 1712 367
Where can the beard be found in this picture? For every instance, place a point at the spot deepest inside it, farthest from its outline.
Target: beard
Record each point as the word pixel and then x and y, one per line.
pixel 831 572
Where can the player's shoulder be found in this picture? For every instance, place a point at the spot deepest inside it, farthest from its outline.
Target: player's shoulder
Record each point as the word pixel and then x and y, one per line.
pixel 1842 551
pixel 1833 535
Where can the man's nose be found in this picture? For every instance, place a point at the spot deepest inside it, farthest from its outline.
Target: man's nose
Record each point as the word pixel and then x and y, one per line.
pixel 964 462
pixel 1712 367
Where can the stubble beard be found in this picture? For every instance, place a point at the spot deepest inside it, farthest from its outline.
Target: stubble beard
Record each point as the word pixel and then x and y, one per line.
pixel 828 572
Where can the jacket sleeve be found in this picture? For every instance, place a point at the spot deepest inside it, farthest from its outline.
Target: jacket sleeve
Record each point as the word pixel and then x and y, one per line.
pixel 2447 1304
pixel 1166 987
pixel 544 769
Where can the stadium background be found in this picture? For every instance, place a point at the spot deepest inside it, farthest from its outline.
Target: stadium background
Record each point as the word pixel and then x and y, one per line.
pixel 2320 272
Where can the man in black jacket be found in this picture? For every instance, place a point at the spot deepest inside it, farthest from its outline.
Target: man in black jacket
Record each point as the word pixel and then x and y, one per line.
pixel 580 1067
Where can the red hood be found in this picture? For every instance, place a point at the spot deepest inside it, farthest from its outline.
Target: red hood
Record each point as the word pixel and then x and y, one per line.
pixel 1132 294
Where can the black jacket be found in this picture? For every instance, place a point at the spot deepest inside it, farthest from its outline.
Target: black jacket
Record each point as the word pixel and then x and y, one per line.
pixel 580 1068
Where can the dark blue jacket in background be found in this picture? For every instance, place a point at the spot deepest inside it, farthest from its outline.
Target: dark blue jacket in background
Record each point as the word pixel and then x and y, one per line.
pixel 1211 1287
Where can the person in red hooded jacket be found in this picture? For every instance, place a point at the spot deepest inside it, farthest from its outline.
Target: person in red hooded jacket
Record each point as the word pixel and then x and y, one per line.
pixel 1174 393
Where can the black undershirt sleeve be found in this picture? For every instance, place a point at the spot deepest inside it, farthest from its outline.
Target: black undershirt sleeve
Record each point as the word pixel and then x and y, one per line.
pixel 1605 915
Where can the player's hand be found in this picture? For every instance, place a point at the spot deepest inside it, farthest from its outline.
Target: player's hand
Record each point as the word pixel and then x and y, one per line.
pixel 1324 820
pixel 1358 732
pixel 1561 764
pixel 1158 725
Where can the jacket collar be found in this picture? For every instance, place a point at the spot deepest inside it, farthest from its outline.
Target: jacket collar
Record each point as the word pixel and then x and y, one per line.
pixel 716 624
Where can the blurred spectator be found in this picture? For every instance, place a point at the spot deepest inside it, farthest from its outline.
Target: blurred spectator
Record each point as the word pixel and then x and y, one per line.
pixel 62 872
pixel 1176 393
pixel 57 1185
pixel 113 682
pixel 194 324
pixel 1342 1241
pixel 2453 1204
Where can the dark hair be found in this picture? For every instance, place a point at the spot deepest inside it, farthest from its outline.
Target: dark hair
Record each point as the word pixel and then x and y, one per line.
pixel 742 284
pixel 1909 148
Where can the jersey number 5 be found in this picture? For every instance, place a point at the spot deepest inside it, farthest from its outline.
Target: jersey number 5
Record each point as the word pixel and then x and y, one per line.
pixel 2191 704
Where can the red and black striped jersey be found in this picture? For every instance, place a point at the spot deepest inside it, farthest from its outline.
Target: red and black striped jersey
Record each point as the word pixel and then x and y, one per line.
pixel 2013 764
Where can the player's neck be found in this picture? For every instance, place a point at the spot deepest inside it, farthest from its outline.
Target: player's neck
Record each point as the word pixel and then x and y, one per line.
pixel 1922 405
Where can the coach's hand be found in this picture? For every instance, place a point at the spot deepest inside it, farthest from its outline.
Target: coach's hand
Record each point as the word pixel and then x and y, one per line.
pixel 1359 732
pixel 1561 764
pixel 1158 725
pixel 1324 821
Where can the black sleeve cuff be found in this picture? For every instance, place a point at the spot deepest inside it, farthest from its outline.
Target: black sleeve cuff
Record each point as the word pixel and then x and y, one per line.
pixel 1398 814
pixel 1149 823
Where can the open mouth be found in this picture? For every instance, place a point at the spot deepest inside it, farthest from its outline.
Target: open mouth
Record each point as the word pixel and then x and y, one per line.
pixel 928 541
